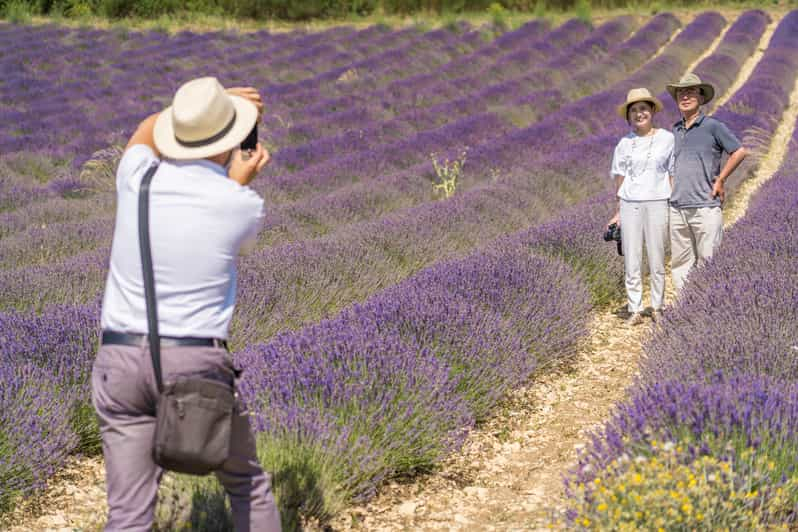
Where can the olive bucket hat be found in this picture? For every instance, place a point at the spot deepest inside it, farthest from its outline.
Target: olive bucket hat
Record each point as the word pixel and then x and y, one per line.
pixel 639 95
pixel 691 80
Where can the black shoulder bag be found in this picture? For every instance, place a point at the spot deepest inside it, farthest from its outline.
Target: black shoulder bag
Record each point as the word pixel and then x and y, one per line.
pixel 194 415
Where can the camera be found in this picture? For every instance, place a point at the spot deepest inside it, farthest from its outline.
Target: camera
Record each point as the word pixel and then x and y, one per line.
pixel 251 142
pixel 613 233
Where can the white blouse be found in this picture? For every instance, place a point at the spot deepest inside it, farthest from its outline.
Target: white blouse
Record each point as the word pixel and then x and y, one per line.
pixel 643 162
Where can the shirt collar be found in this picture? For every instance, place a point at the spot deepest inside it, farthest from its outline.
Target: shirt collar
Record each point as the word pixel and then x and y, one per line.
pixel 205 164
pixel 701 116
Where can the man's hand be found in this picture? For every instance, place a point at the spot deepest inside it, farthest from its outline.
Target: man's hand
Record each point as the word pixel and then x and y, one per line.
pixel 248 93
pixel 718 190
pixel 244 166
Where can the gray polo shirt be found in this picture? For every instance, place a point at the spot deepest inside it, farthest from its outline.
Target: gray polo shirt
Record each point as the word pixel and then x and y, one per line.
pixel 696 160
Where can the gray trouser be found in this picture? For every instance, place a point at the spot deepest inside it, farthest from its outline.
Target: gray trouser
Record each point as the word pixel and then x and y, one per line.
pixel 124 394
pixel 644 221
pixel 695 235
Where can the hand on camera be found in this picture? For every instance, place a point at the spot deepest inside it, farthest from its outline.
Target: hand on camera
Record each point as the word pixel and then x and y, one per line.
pixel 248 93
pixel 245 165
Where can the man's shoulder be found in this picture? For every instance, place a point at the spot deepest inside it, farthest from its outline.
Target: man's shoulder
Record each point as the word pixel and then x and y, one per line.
pixel 715 124
pixel 134 161
pixel 138 153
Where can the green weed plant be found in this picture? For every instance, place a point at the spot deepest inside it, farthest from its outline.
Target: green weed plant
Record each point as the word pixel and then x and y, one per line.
pixel 583 11
pixel 448 173
pixel 17 12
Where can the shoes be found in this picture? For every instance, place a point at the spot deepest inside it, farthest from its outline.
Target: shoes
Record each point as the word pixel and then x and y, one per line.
pixel 635 319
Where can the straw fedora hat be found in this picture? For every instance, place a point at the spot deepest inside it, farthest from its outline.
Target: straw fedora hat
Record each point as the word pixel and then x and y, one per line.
pixel 639 95
pixel 691 80
pixel 203 121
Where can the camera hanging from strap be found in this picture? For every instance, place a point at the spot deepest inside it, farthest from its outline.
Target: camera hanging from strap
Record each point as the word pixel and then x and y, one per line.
pixel 194 415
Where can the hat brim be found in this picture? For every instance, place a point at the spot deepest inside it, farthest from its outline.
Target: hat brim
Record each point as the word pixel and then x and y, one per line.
pixel 653 100
pixel 170 147
pixel 707 89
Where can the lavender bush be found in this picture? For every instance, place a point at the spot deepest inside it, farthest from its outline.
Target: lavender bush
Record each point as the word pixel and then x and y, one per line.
pixel 45 413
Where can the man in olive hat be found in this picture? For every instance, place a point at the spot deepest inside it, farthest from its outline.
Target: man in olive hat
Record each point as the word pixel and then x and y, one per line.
pixel 696 220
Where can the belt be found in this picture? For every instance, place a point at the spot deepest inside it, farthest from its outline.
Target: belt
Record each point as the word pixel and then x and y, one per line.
pixel 117 338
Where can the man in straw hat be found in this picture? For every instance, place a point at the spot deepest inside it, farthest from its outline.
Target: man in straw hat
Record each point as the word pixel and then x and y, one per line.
pixel 202 213
pixel 696 220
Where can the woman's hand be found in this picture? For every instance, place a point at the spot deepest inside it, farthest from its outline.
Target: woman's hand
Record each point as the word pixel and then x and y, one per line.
pixel 245 165
pixel 615 220
pixel 248 93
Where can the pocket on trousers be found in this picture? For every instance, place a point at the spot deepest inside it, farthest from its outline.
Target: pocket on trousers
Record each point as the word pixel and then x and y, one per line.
pixel 117 390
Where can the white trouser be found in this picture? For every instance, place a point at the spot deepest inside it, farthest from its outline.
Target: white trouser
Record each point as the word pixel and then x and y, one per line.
pixel 644 221
pixel 695 235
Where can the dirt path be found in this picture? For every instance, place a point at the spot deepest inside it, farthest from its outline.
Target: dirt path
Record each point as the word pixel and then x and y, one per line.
pixel 749 64
pixel 511 470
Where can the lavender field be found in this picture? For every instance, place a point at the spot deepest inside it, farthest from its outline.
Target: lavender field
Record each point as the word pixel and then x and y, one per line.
pixel 379 320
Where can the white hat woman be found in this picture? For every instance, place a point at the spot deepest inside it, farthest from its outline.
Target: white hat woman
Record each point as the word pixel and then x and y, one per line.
pixel 640 167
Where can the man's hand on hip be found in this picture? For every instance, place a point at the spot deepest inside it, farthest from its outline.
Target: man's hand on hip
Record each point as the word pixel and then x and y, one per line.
pixel 245 165
pixel 718 190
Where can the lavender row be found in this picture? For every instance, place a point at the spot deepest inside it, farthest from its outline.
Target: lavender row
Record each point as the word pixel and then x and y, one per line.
pixel 412 101
pixel 48 123
pixel 718 380
pixel 466 97
pixel 45 413
pixel 414 88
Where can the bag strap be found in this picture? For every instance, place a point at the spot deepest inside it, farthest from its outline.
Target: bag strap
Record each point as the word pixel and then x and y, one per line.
pixel 149 277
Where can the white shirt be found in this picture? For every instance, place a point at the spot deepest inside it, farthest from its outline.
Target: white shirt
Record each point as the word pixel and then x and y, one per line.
pixel 199 221
pixel 643 162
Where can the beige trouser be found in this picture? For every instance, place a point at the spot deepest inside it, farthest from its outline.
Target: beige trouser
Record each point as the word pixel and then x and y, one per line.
pixel 695 235
pixel 644 221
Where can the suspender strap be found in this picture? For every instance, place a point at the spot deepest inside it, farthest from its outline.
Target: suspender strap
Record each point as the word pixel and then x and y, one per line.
pixel 149 277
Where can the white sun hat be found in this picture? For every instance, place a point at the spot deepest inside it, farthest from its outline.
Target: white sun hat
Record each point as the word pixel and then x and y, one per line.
pixel 203 121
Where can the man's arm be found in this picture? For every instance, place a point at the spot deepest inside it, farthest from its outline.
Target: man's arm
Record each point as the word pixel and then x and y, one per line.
pixel 731 165
pixel 144 134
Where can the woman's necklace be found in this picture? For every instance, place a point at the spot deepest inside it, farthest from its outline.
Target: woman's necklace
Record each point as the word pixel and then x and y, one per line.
pixel 632 173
